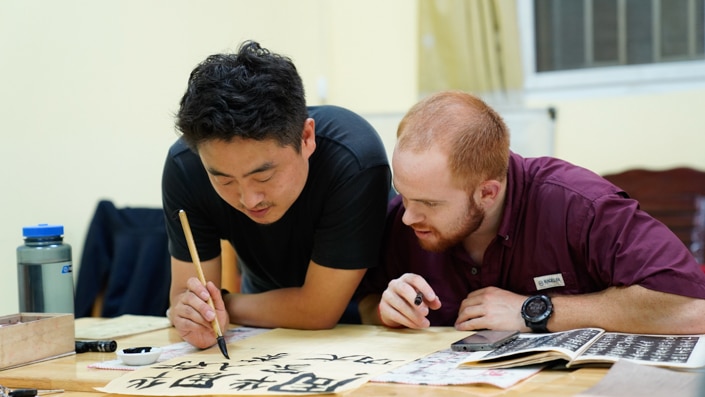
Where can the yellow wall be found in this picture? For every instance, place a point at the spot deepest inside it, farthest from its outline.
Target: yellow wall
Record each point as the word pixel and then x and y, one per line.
pixel 88 90
pixel 655 130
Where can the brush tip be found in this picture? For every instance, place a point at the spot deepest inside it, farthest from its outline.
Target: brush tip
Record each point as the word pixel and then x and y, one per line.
pixel 223 347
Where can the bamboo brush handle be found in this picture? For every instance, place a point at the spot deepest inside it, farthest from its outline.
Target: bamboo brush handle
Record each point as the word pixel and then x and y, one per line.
pixel 197 263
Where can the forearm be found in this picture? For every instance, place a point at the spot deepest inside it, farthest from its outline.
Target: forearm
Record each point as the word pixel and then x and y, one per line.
pixel 283 308
pixel 631 309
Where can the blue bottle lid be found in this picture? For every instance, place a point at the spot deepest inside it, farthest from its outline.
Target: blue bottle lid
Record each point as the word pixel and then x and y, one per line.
pixel 43 230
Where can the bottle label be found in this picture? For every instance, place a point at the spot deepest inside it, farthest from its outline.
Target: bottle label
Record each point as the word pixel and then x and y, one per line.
pixel 66 269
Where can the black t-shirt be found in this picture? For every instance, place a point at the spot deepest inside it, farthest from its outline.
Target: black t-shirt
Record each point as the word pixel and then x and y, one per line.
pixel 337 221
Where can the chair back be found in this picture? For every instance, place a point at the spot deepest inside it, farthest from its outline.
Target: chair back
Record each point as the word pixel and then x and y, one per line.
pixel 125 266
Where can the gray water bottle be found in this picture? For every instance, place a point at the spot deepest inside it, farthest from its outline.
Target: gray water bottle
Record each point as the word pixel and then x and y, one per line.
pixel 44 271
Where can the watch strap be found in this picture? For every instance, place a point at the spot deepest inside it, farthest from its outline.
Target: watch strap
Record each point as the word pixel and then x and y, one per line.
pixel 539 327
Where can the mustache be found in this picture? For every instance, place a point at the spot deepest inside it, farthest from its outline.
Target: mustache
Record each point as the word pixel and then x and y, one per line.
pixel 259 206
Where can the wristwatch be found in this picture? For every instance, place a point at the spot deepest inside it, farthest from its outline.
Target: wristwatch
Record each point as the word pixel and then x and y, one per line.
pixel 536 311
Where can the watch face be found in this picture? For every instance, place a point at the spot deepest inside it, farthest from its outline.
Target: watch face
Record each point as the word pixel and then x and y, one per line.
pixel 536 307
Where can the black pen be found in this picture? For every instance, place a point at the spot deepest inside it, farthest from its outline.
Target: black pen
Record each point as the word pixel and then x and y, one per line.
pixel 32 392
pixel 419 298
pixel 83 346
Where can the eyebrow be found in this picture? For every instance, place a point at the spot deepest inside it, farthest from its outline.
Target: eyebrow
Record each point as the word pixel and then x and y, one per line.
pixel 427 201
pixel 262 168
pixel 419 199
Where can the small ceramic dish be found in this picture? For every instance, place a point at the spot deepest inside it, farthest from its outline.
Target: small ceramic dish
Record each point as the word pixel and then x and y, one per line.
pixel 139 355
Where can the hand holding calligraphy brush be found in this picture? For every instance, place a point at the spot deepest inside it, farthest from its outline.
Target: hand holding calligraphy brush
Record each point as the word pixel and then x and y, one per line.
pixel 197 262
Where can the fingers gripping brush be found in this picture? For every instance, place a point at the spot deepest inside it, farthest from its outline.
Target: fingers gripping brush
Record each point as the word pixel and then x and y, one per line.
pixel 197 262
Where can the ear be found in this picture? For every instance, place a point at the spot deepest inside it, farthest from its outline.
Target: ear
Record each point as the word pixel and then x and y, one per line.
pixel 487 192
pixel 308 138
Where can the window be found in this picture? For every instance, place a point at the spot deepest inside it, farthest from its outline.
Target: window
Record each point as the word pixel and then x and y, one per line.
pixel 574 43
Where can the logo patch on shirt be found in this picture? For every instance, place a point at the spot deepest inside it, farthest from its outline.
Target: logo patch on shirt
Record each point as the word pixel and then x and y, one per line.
pixel 549 281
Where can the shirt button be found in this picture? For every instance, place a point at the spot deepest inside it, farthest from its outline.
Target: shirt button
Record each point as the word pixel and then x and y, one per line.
pixel 474 270
pixel 506 237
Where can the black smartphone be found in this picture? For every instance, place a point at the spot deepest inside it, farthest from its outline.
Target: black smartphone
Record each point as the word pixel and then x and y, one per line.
pixel 484 340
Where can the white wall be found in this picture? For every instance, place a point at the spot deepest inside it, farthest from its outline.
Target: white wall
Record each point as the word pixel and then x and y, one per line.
pixel 88 90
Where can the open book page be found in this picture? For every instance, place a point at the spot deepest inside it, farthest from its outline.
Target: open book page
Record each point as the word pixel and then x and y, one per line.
pixel 673 351
pixel 536 348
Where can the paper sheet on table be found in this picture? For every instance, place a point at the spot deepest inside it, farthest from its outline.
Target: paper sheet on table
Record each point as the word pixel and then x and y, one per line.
pixel 111 328
pixel 627 378
pixel 179 349
pixel 441 369
pixel 285 361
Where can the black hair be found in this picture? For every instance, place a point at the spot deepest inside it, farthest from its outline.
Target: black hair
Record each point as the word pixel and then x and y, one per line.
pixel 253 94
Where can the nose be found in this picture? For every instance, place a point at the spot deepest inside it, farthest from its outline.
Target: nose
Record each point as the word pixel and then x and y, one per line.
pixel 250 198
pixel 411 216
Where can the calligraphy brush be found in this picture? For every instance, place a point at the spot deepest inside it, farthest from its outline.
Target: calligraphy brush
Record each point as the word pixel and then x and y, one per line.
pixel 197 262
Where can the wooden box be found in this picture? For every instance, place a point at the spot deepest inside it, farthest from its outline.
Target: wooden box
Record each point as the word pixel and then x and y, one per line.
pixel 27 338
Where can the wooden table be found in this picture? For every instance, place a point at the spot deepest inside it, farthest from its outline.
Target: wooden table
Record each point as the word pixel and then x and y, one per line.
pixel 72 374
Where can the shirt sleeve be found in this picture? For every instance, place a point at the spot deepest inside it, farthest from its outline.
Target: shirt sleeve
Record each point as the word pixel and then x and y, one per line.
pixel 626 246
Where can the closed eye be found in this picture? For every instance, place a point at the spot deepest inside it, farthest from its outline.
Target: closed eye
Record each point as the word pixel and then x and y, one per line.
pixel 425 203
pixel 223 181
pixel 428 204
pixel 264 178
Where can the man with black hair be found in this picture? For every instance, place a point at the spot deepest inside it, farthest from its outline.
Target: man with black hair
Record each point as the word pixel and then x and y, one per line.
pixel 300 192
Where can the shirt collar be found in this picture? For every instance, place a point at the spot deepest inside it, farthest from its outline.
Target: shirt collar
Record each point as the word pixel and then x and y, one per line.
pixel 514 196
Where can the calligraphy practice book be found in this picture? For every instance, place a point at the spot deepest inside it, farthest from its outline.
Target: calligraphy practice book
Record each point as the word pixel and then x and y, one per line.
pixel 594 346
